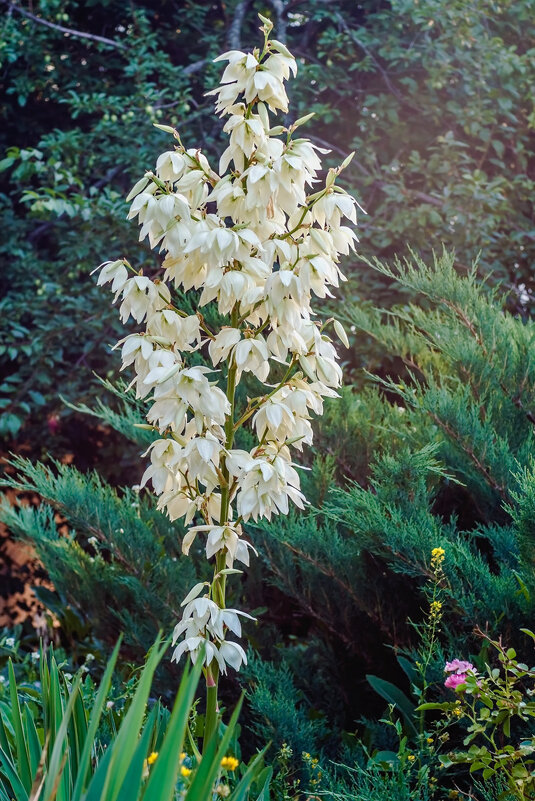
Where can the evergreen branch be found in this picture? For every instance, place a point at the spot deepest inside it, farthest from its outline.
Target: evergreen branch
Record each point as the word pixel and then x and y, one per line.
pixel 454 435
pixel 79 34
pixel 331 573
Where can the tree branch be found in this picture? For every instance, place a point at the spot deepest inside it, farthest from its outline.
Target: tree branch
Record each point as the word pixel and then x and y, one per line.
pixel 352 35
pixel 280 9
pixel 194 67
pixel 80 34
pixel 234 31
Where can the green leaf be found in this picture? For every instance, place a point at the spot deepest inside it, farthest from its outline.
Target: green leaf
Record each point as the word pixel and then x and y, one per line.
pixel 393 695
pixel 264 779
pixel 163 776
pixel 125 743
pixel 96 712
pixel 23 758
pixel 12 774
pixel 132 781
pixel 32 739
pixel 408 668
pixel 207 771
pixel 445 706
pixel 58 766
pixel 243 786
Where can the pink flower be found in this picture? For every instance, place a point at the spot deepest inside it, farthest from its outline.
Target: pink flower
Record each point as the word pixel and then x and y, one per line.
pixel 454 680
pixel 458 666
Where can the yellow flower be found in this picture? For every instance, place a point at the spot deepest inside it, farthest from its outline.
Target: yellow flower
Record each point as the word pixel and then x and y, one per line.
pixel 435 609
pixel 151 759
pixel 229 763
pixel 183 756
pixel 429 740
pixel 437 556
pixel 411 757
pixel 184 771
pixel 457 711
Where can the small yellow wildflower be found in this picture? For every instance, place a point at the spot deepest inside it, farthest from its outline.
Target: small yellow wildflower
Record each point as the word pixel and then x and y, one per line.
pixel 457 711
pixel 184 771
pixel 229 763
pixel 183 756
pixel 411 757
pixel 151 759
pixel 429 740
pixel 437 556
pixel 435 609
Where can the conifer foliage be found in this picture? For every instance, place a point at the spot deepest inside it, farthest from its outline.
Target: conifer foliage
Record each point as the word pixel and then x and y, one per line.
pixel 436 456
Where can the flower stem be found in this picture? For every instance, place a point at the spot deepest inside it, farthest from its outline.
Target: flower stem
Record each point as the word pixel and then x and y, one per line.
pixel 219 581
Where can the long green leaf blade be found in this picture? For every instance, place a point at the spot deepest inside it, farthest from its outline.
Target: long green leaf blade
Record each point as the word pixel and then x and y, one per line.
pixel 126 740
pixel 32 739
pixel 94 720
pixel 393 695
pixel 12 775
pixel 57 764
pixel 23 758
pixel 201 786
pixel 162 780
pixel 131 786
pixel 248 777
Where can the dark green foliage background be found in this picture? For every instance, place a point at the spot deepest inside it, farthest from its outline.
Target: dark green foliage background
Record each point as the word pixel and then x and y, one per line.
pixel 433 447
pixel 436 99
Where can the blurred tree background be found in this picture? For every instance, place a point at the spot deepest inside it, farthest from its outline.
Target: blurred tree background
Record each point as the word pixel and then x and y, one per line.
pixel 436 98
pixel 434 450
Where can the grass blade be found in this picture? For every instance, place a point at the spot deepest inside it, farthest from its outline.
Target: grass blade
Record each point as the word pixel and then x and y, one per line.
pixel 162 780
pixel 32 739
pixel 60 750
pixel 126 740
pixel 132 781
pixel 94 720
pixel 10 772
pixel 23 758
pixel 201 786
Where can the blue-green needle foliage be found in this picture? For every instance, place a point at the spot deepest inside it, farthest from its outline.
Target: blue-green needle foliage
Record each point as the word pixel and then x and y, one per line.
pixel 437 454
pixel 118 566
pixel 440 453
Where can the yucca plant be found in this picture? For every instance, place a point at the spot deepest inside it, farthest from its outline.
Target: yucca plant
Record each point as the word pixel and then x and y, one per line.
pixel 55 753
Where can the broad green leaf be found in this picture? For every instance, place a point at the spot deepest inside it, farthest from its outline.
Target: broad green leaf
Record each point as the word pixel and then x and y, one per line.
pixel 32 739
pixel 243 786
pixel 393 695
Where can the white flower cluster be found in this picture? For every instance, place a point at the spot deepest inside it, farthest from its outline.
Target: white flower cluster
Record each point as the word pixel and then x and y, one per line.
pixel 256 240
